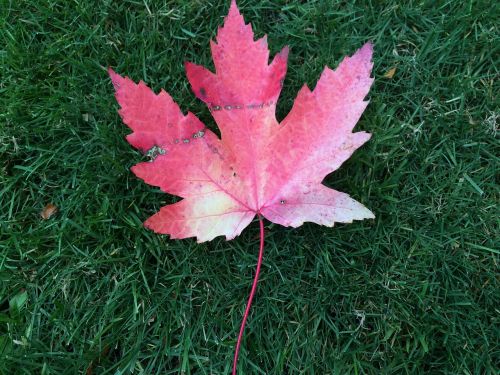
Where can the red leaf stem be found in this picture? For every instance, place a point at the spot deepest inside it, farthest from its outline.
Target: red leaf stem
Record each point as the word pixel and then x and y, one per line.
pixel 250 298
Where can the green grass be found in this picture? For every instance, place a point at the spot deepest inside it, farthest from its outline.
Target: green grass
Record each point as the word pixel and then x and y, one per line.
pixel 90 291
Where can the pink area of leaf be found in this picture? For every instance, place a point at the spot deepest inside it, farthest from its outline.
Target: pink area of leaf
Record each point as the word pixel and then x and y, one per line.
pixel 259 166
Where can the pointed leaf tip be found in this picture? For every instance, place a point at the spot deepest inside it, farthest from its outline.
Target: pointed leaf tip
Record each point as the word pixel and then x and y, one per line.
pixel 116 79
pixel 112 74
pixel 233 9
pixel 234 13
pixel 285 51
pixel 366 52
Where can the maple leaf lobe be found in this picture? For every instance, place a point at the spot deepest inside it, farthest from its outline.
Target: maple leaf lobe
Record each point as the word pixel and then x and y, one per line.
pixel 259 166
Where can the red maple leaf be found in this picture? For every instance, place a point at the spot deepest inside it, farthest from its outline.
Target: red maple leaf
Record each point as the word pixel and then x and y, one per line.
pixel 258 166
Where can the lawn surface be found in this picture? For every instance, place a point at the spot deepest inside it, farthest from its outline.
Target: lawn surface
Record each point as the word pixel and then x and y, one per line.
pixel 90 291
